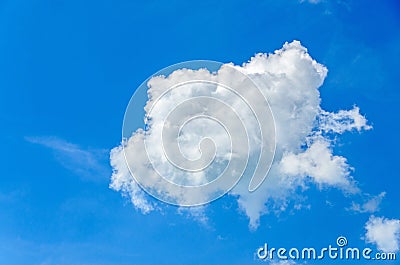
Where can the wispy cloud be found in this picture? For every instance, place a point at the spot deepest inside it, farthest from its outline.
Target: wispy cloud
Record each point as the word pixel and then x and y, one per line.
pixel 88 163
pixel 371 205
pixel 196 213
pixel 311 1
pixel 290 79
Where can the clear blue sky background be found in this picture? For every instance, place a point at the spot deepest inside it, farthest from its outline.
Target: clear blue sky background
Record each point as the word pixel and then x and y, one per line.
pixel 68 69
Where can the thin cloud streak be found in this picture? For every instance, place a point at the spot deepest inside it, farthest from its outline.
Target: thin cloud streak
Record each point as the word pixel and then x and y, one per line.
pixel 89 164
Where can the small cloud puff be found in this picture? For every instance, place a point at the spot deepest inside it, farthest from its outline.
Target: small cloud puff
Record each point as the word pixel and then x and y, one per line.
pixel 384 233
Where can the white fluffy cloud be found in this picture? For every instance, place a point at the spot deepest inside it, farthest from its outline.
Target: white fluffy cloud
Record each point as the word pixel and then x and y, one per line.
pixel 289 78
pixel 383 232
pixel 318 163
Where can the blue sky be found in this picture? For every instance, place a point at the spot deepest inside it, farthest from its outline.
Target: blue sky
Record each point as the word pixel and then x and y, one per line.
pixel 68 70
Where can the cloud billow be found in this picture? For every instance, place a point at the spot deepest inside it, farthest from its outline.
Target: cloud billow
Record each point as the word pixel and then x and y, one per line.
pixel 384 233
pixel 289 80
